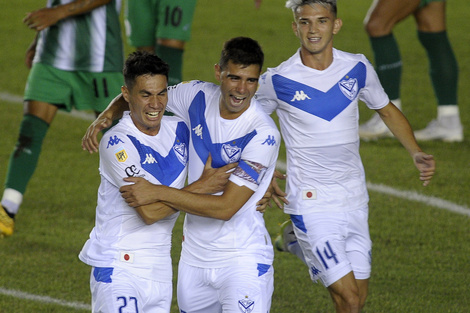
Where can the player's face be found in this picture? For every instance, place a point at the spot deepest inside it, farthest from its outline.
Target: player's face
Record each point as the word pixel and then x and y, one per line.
pixel 315 25
pixel 147 101
pixel 238 84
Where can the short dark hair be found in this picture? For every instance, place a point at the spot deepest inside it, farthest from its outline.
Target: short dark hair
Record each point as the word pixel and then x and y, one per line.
pixel 242 50
pixel 141 63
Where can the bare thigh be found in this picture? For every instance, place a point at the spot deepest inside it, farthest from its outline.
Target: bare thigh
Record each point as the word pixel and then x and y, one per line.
pixel 432 17
pixel 383 15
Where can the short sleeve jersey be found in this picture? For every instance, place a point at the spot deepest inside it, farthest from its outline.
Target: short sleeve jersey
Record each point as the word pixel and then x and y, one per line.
pixel 318 115
pixel 120 238
pixel 252 139
pixel 89 42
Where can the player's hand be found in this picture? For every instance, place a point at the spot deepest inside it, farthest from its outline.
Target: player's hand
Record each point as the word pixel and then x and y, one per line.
pixel 42 18
pixel 426 165
pixel 140 193
pixel 90 139
pixel 214 180
pixel 264 202
pixel 277 194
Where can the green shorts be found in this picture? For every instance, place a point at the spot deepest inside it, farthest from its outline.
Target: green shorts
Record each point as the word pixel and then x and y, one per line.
pixel 72 89
pixel 424 3
pixel 147 20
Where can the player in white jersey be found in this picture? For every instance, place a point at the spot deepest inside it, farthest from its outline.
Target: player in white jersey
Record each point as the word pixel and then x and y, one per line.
pixel 78 58
pixel 131 261
pixel 226 262
pixel 315 94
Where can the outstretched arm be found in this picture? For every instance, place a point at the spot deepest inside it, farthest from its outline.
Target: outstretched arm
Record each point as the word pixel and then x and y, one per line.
pixel 113 112
pixel 45 17
pixel 401 128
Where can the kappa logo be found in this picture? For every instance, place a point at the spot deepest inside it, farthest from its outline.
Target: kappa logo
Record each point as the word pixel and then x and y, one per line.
pixel 315 271
pixel 114 141
pixel 181 152
pixel 230 154
pixel 246 305
pixel 349 87
pixel 270 141
pixel 198 130
pixel 300 96
pixel 149 159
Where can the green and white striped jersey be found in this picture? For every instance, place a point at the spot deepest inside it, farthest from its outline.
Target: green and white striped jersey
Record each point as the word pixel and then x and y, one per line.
pixel 89 42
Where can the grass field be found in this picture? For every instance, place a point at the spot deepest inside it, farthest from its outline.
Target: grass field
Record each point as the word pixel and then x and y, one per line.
pixel 421 254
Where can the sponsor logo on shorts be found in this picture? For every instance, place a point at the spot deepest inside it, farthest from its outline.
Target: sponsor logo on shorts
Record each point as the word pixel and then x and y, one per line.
pixel 246 305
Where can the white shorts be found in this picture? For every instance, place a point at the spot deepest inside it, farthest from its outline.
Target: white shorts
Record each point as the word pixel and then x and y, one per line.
pixel 234 289
pixel 116 290
pixel 335 244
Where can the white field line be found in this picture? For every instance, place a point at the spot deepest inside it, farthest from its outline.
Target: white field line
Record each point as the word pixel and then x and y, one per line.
pixel 409 195
pixel 27 296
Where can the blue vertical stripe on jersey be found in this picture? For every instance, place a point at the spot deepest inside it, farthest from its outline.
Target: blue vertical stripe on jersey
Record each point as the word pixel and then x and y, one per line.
pixel 202 141
pixel 325 105
pixel 165 169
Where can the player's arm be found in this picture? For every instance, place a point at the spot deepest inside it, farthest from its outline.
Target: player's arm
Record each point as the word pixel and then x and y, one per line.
pixel 401 128
pixel 212 180
pixel 220 207
pixel 113 112
pixel 45 17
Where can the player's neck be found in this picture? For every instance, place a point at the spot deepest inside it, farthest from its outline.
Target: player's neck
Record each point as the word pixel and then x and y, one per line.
pixel 318 61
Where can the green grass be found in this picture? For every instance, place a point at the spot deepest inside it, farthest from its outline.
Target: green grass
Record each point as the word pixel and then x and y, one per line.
pixel 421 253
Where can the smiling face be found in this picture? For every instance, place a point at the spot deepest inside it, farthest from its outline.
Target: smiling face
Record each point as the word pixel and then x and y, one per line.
pixel 315 25
pixel 147 101
pixel 238 84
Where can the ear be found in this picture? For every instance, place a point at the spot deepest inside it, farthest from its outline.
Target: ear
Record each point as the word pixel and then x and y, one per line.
pixel 218 72
pixel 294 28
pixel 125 93
pixel 338 24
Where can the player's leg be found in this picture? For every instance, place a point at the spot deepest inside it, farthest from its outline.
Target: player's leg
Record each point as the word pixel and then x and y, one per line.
pixel 195 293
pixel 175 19
pixel 443 70
pixel 382 16
pixel 117 290
pixel 246 287
pixel 140 23
pixel 38 114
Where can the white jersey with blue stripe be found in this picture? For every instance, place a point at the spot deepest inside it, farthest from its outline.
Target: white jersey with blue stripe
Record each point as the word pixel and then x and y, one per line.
pixel 120 238
pixel 318 114
pixel 252 139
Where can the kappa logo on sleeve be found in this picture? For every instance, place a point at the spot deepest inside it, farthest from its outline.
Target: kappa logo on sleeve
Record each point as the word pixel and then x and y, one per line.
pixel 114 141
pixel 270 141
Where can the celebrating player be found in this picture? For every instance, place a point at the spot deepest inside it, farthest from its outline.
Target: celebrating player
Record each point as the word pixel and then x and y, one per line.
pixel 315 94
pixel 227 255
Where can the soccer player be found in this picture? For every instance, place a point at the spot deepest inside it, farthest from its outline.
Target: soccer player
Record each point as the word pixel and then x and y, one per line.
pixel 227 255
pixel 315 94
pixel 429 15
pixel 162 27
pixel 131 262
pixel 76 61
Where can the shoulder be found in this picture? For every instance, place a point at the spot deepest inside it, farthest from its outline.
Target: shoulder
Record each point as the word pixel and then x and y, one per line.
pixel 348 56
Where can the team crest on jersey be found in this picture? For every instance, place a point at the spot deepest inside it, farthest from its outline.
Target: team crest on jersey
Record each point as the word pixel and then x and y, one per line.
pixel 246 305
pixel 349 87
pixel 181 152
pixel 230 154
pixel 121 155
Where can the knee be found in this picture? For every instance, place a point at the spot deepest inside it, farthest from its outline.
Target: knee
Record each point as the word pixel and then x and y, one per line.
pixel 376 27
